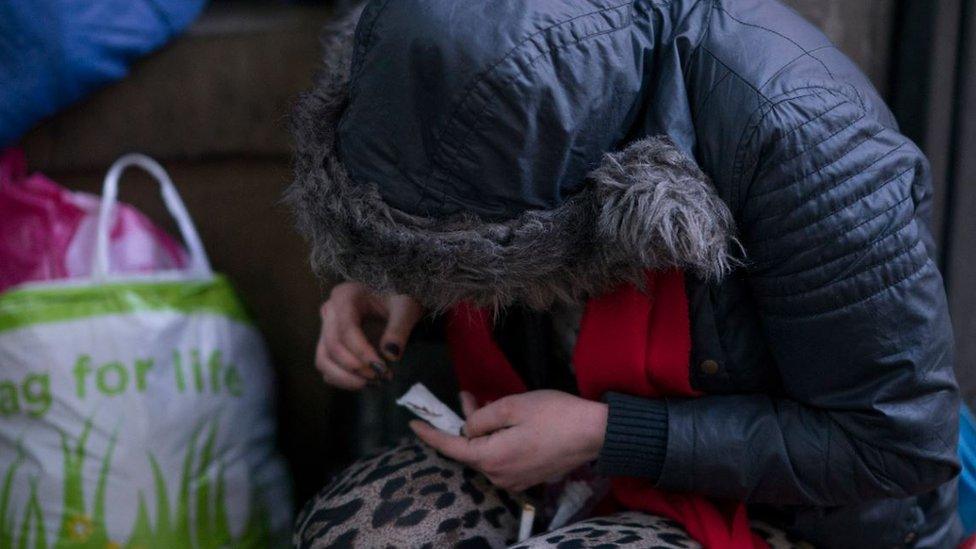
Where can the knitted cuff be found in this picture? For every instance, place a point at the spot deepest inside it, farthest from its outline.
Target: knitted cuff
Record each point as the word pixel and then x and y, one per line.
pixel 636 437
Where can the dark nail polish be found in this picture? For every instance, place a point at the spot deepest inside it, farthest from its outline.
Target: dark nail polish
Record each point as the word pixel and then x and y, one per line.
pixel 379 369
pixel 393 349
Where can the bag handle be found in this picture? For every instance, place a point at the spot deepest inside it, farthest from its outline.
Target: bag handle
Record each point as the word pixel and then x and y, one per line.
pixel 199 263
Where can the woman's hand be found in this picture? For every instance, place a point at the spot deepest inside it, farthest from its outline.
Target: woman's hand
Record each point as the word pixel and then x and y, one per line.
pixel 522 440
pixel 344 356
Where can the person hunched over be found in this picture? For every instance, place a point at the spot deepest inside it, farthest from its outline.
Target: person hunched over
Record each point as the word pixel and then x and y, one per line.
pixel 680 244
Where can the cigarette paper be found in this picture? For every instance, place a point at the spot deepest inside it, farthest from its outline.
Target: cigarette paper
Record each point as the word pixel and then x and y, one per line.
pixel 427 407
pixel 525 524
pixel 571 501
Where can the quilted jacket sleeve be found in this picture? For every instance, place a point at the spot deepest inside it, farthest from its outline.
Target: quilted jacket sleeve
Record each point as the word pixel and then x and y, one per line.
pixel 853 309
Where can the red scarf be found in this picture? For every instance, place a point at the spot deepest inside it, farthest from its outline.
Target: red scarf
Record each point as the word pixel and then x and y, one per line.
pixel 630 341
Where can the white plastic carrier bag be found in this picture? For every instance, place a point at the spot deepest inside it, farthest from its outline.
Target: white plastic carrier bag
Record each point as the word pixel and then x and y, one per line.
pixel 136 410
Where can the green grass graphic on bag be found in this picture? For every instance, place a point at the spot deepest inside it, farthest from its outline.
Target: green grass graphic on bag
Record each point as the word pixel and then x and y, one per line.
pixel 170 527
pixel 6 513
pixel 32 512
pixel 78 528
pixel 211 523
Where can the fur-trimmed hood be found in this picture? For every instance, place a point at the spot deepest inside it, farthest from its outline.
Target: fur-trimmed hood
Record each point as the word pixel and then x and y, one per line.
pixel 647 206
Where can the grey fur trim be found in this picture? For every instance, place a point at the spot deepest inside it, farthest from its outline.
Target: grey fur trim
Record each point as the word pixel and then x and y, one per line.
pixel 646 207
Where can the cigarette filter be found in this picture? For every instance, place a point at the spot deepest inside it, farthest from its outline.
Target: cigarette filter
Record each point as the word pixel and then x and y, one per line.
pixel 525 524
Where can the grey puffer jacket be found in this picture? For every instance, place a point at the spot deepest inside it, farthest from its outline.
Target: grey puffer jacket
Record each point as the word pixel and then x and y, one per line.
pixel 457 149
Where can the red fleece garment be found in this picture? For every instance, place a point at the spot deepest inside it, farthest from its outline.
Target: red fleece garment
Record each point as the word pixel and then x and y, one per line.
pixel 630 341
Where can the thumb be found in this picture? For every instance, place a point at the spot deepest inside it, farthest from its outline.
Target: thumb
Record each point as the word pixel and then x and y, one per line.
pixel 468 403
pixel 489 418
pixel 404 315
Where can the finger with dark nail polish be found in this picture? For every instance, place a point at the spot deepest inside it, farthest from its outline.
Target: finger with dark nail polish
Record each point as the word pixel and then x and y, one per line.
pixel 392 349
pixel 380 370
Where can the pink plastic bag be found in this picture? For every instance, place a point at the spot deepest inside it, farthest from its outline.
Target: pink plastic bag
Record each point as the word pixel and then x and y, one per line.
pixel 48 232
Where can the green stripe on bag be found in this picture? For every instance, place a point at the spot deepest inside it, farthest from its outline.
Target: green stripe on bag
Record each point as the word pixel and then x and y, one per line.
pixel 39 305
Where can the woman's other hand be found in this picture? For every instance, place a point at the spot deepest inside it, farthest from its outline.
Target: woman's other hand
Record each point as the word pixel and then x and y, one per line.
pixel 522 440
pixel 344 355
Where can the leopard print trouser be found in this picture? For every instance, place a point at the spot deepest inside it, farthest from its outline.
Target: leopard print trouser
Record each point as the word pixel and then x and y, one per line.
pixel 410 496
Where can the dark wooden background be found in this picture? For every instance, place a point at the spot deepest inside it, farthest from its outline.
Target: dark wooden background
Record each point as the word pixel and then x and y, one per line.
pixel 211 106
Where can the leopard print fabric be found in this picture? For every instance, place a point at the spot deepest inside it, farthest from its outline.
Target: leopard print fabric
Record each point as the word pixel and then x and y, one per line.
pixel 634 529
pixel 410 496
pixel 630 529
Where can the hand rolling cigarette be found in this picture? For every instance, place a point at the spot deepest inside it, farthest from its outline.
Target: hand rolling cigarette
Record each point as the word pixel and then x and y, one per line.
pixel 427 407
